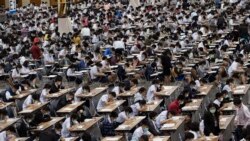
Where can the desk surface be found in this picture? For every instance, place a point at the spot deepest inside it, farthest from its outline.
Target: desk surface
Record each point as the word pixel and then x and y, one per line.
pixel 129 93
pixel 173 123
pixel 225 120
pixel 60 93
pixel 241 89
pixel 85 125
pixel 229 107
pixel 167 91
pixel 151 106
pixel 114 138
pixel 6 123
pixel 45 125
pixel 192 106
pixel 111 107
pixel 205 89
pixel 24 94
pixel 208 138
pixel 70 107
pixel 32 108
pixel 130 123
pixel 3 105
pixel 160 138
pixel 70 139
pixel 21 139
pixel 93 92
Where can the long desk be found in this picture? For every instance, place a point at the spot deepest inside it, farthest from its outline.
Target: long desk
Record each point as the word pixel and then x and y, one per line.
pixel 4 124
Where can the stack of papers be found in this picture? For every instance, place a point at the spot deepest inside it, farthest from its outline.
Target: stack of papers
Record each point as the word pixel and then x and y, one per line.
pixel 240 91
pixel 168 125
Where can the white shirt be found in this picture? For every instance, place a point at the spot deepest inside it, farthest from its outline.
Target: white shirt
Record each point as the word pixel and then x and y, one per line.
pixel 138 97
pixel 65 126
pixel 85 31
pixel 24 70
pixel 116 89
pixel 27 102
pixel 232 68
pixel 43 96
pixel 135 107
pixel 121 117
pixel 242 116
pixel 138 133
pixel 93 72
pixel 3 136
pixel 102 102
pixel 48 58
pixel 70 72
pixel 217 102
pixel 161 117
pixel 15 74
pixel 150 93
pixel 119 45
pixel 78 92
pixel 227 88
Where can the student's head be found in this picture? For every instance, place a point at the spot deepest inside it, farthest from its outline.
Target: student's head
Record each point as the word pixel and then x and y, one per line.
pixel 47 86
pixel 142 90
pixel 58 128
pixel 219 96
pixel 181 99
pixel 185 93
pixel 144 125
pixel 194 126
pixel 113 116
pixel 45 110
pixel 152 115
pixel 134 82
pixel 58 80
pixel 111 95
pixel 237 102
pixel 86 88
pixel 128 110
pixel 73 117
pixel 212 108
pixel 142 102
pixel 170 114
pixel 189 136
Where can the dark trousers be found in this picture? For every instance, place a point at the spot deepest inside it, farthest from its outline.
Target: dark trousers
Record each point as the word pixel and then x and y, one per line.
pixel 238 133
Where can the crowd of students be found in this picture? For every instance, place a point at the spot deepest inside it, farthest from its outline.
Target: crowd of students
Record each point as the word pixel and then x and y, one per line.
pixel 152 42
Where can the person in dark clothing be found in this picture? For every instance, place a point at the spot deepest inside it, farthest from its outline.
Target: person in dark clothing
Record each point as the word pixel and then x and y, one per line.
pixel 41 116
pixel 109 125
pixel 51 135
pixel 57 85
pixel 166 64
pixel 211 120
pixel 152 125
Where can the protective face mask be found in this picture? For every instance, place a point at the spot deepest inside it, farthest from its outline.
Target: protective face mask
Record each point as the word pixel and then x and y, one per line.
pixel 212 111
pixel 145 130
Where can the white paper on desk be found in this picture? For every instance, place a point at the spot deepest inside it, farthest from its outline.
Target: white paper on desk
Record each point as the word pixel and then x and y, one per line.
pixel 86 120
pixel 175 118
pixel 105 109
pixel 27 110
pixel 223 119
pixel 123 126
pixel 112 138
pixel 195 100
pixel 186 108
pixel 40 127
pixel 158 139
pixel 68 139
pixel 168 125
pixel 240 87
pixel 239 91
pixel 67 109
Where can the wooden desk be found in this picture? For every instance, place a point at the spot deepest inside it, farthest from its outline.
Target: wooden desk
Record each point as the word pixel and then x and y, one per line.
pixel 24 94
pixel 93 92
pixel 207 92
pixel 174 126
pixel 70 108
pixel 4 105
pixel 130 124
pixel 152 106
pixel 84 126
pixel 45 125
pixel 226 126
pixel 59 94
pixel 229 109
pixel 111 107
pixel 208 138
pixel 160 138
pixel 195 107
pixel 7 123
pixel 32 108
pixel 70 139
pixel 114 138
pixel 129 95
pixel 21 139
pixel 243 92
pixel 168 93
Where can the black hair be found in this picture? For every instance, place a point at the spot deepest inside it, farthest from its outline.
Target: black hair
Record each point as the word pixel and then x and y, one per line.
pixel 152 115
pixel 113 94
pixel 237 101
pixel 189 135
pixel 113 115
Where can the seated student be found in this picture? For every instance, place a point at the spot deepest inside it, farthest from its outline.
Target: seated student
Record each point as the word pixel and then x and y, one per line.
pixel 84 89
pixel 130 84
pixel 137 107
pixel 41 116
pixel 140 95
pixel 118 88
pixel 188 96
pixel 97 74
pixel 140 131
pixel 26 71
pixel 15 74
pixel 229 85
pixel 105 100
pixel 176 105
pixel 68 122
pixel 109 124
pixel 194 129
pixel 152 124
pixel 31 99
pixel 3 114
pixel 8 135
pixel 83 113
pixel 211 120
pixel 162 118
pixel 45 91
pixel 51 134
pixel 246 133
pixel 10 92
pixel 152 90
pixel 70 73
pixel 125 115
pixel 57 85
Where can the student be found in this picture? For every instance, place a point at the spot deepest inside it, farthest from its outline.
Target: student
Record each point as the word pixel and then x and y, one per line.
pixel 137 107
pixel 57 85
pixel 31 99
pixel 68 122
pixel 70 73
pixel 189 136
pixel 105 100
pixel 140 131
pixel 242 118
pixel 125 115
pixel 41 116
pixel 118 88
pixel 211 120
pixel 45 91
pixel 140 95
pixel 218 100
pixel 194 129
pixel 152 124
pixel 167 66
pixel 109 124
pixel 51 134
pixel 152 90
pixel 84 89
pixel 162 118
pixel 176 105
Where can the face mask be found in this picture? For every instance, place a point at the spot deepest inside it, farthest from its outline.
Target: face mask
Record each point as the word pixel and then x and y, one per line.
pixel 145 130
pixel 182 102
pixel 75 122
pixel 221 99
pixel 212 111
